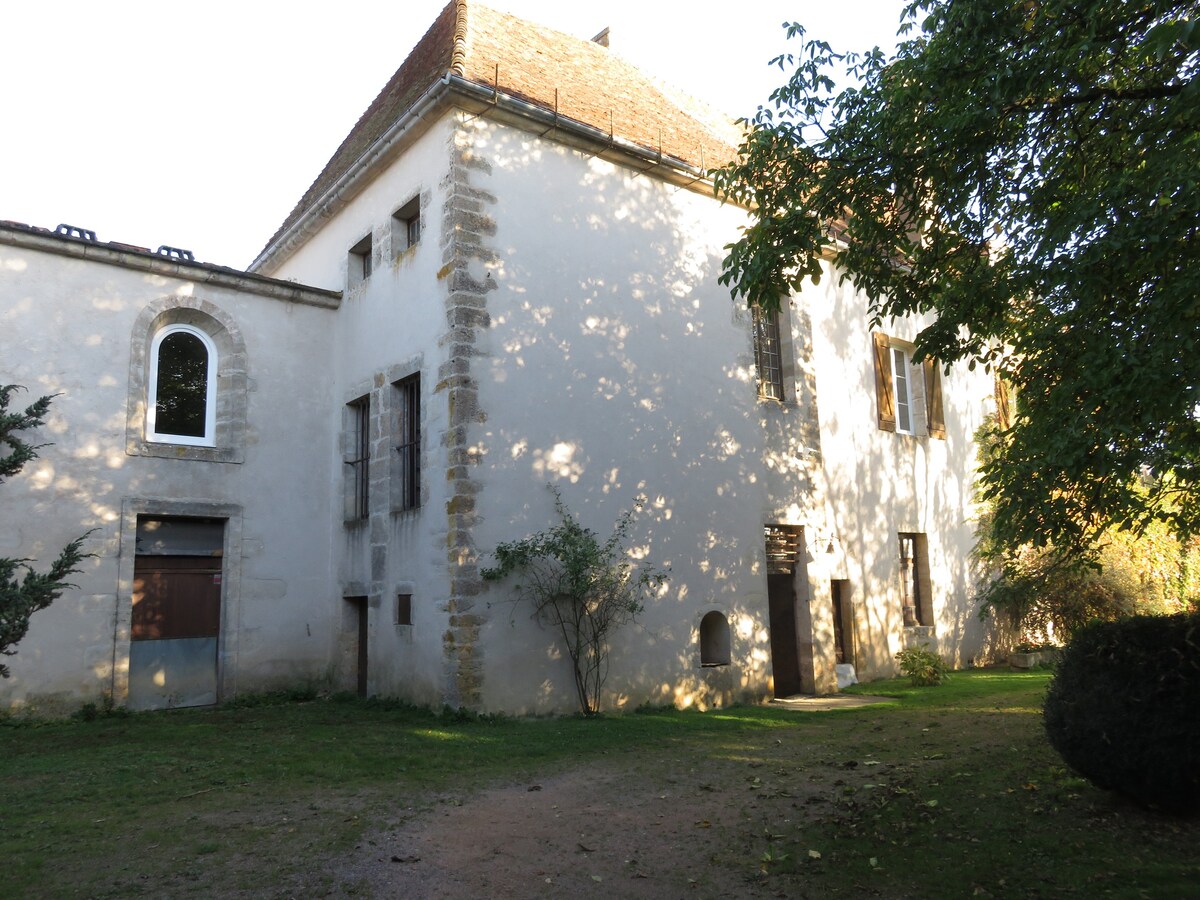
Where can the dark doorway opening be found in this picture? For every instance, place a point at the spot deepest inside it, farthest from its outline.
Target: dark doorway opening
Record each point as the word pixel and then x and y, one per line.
pixel 843 621
pixel 358 607
pixel 783 548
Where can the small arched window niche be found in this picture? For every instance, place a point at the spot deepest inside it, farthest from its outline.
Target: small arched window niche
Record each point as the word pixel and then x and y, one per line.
pixel 181 406
pixel 714 640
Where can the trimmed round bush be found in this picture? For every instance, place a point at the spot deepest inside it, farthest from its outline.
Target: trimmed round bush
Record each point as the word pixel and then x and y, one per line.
pixel 1123 709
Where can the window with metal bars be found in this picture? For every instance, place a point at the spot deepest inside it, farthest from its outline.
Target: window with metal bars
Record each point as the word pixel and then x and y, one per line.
pixel 358 455
pixel 768 357
pixel 407 481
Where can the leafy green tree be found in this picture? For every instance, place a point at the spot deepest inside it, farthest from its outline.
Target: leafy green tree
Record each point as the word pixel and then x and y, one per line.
pixel 1026 172
pixel 24 591
pixel 581 587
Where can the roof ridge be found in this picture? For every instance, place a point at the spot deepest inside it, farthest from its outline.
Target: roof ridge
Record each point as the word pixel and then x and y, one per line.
pixel 458 51
pixel 549 70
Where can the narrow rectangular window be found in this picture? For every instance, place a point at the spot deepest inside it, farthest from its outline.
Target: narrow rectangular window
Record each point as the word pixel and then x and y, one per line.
pixel 914 581
pixel 407 480
pixel 357 458
pixel 903 391
pixel 767 356
pixel 404 609
pixel 359 266
pixel 406 226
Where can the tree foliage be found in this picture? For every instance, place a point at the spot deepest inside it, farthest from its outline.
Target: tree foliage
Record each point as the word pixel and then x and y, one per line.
pixel 24 591
pixel 1048 593
pixel 1025 172
pixel 581 587
pixel 1049 596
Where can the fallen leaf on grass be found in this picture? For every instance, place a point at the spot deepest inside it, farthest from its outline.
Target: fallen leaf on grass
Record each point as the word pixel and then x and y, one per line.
pixel 814 854
pixel 597 878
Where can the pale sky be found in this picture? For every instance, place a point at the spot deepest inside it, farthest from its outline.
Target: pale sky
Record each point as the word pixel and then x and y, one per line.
pixel 199 125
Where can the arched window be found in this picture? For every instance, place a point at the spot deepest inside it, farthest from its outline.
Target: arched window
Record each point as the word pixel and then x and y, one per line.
pixel 181 406
pixel 714 640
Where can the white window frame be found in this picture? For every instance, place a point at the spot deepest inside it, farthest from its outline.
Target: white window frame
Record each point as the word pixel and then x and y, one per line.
pixel 209 438
pixel 903 395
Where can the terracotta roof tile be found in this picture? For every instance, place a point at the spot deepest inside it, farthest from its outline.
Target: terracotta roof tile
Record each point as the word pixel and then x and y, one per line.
pixel 593 85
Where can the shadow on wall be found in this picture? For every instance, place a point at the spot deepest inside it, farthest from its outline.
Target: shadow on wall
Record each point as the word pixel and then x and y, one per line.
pixel 882 484
pixel 616 366
pixel 643 376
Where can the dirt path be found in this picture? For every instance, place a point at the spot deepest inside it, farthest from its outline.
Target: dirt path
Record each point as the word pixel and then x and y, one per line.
pixel 582 834
pixel 645 826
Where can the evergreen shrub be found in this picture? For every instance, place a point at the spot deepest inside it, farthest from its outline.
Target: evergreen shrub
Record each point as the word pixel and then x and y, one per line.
pixel 1123 709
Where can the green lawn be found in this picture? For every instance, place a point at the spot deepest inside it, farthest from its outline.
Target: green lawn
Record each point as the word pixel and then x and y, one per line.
pixel 941 791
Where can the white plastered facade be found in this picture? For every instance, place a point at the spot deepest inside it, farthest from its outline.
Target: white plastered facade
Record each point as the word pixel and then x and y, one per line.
pixel 562 313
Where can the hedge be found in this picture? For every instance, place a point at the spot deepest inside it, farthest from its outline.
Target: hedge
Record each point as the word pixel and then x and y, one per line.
pixel 1123 709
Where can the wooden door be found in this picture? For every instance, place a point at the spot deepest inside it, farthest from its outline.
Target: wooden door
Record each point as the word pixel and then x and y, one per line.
pixel 175 631
pixel 843 622
pixel 785 651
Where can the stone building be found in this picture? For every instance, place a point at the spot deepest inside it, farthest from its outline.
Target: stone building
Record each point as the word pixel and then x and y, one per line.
pixel 505 277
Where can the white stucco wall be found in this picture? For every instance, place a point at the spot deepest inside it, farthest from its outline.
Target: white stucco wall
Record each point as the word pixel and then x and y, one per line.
pixel 564 316
pixel 880 484
pixel 389 327
pixel 66 326
pixel 617 366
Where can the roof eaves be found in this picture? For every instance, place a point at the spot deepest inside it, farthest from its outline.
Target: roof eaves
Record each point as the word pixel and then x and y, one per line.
pixel 548 121
pixel 339 194
pixel 126 256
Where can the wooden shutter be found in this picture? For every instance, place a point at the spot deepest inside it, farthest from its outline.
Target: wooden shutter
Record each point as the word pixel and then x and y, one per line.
pixel 885 401
pixel 1003 404
pixel 935 418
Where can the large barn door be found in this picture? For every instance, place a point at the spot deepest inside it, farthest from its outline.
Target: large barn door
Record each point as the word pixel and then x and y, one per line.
pixel 176 619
